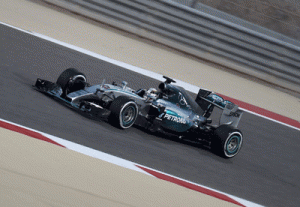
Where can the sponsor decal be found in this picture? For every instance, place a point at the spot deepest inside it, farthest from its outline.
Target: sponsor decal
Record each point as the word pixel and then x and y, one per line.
pixel 161 115
pixel 182 100
pixel 175 119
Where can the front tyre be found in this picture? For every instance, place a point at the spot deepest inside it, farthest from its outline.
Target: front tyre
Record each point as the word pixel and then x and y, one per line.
pixel 227 141
pixel 124 112
pixel 71 80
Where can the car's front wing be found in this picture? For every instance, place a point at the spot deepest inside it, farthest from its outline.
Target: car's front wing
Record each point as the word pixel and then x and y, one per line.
pixel 54 91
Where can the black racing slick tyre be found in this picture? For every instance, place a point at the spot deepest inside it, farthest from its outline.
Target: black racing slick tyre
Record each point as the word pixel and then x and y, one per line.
pixel 124 112
pixel 71 80
pixel 227 141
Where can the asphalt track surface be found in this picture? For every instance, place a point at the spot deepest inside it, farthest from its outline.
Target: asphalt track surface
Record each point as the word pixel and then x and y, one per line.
pixel 266 170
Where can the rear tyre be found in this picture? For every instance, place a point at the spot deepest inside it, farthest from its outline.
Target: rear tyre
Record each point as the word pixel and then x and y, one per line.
pixel 71 80
pixel 124 112
pixel 227 141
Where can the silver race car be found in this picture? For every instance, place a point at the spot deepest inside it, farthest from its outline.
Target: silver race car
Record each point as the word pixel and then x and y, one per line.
pixel 168 109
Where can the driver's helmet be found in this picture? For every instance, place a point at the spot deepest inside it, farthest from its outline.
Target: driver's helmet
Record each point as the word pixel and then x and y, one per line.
pixel 151 94
pixel 152 91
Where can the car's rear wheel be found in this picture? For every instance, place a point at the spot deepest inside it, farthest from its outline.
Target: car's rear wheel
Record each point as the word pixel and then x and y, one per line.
pixel 227 141
pixel 124 112
pixel 71 80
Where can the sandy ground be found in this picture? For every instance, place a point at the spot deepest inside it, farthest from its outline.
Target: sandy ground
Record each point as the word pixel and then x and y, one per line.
pixel 37 173
pixel 72 29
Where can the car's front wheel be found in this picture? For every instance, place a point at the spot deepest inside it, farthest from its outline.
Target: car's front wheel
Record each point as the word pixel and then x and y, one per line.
pixel 227 141
pixel 124 112
pixel 71 80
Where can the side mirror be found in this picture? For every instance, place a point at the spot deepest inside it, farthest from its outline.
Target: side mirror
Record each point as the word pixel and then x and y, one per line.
pixel 124 84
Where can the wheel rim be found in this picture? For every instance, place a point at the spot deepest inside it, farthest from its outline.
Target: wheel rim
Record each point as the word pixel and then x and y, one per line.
pixel 233 145
pixel 128 116
pixel 75 85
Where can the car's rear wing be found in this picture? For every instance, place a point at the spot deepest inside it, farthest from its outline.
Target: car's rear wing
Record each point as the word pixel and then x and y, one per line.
pixel 207 100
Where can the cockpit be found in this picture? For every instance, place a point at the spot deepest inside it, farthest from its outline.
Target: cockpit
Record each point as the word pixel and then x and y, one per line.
pixel 180 97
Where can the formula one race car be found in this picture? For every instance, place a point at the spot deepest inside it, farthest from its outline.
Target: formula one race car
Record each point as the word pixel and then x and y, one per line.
pixel 170 109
